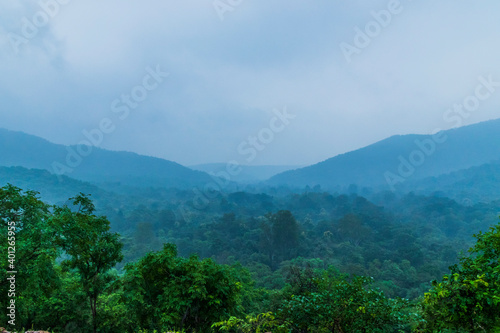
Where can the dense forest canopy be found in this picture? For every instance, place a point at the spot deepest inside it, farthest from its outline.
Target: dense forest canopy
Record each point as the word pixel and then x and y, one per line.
pixel 249 166
pixel 282 262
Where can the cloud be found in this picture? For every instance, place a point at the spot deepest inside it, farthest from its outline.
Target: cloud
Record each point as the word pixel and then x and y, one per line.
pixel 227 76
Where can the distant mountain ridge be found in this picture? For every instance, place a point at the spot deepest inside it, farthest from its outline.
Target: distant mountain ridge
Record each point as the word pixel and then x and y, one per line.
pixel 395 159
pixel 53 189
pixel 467 186
pixel 399 161
pixel 248 173
pixel 20 149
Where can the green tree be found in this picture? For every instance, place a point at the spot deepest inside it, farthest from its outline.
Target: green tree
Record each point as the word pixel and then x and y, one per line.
pixel 351 228
pixel 166 220
pixel 166 292
pixel 340 304
pixel 327 301
pixel 280 236
pixel 27 236
pixel 468 299
pixel 92 249
pixel 66 309
pixel 263 322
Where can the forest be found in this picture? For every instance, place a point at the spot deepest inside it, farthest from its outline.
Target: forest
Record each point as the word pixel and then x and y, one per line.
pixel 231 166
pixel 280 261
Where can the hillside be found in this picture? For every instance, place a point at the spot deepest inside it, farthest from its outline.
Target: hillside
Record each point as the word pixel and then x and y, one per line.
pixel 402 158
pixel 468 186
pixel 54 189
pixel 99 166
pixel 248 173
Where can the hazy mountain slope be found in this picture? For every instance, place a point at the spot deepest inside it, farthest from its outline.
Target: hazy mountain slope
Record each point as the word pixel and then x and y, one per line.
pixel 468 186
pixel 52 189
pixel 20 149
pixel 248 173
pixel 457 149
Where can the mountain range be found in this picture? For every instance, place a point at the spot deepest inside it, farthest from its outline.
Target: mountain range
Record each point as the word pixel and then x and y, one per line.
pixel 462 163
pixel 94 164
pixel 392 162
pixel 247 174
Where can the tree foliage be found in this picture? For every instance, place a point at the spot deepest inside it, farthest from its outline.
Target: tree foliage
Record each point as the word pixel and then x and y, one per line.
pixel 168 292
pixel 70 278
pixel 92 249
pixel 26 233
pixel 468 299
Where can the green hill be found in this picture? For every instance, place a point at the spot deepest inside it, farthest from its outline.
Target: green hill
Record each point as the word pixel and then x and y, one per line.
pixel 248 174
pixel 400 159
pixel 53 189
pixel 94 164
pixel 468 186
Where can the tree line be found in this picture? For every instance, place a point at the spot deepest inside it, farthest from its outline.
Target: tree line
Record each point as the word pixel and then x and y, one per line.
pixel 72 275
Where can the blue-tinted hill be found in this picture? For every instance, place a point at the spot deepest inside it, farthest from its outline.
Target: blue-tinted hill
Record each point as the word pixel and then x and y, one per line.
pixel 100 166
pixel 399 159
pixel 248 174
pixel 467 186
pixel 53 189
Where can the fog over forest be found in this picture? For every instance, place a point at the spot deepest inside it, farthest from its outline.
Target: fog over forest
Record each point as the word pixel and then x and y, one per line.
pixel 248 166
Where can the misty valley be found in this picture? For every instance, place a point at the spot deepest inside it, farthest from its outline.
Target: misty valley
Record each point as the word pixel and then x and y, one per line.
pixel 237 166
pixel 399 236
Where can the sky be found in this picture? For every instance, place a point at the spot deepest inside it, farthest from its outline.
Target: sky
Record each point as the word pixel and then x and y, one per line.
pixel 283 82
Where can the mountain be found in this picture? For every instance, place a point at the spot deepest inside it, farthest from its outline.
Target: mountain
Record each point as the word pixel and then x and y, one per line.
pixel 53 189
pixel 248 173
pixel 398 159
pixel 467 186
pixel 94 164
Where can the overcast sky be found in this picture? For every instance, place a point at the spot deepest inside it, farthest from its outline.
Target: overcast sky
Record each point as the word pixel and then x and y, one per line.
pixel 234 64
